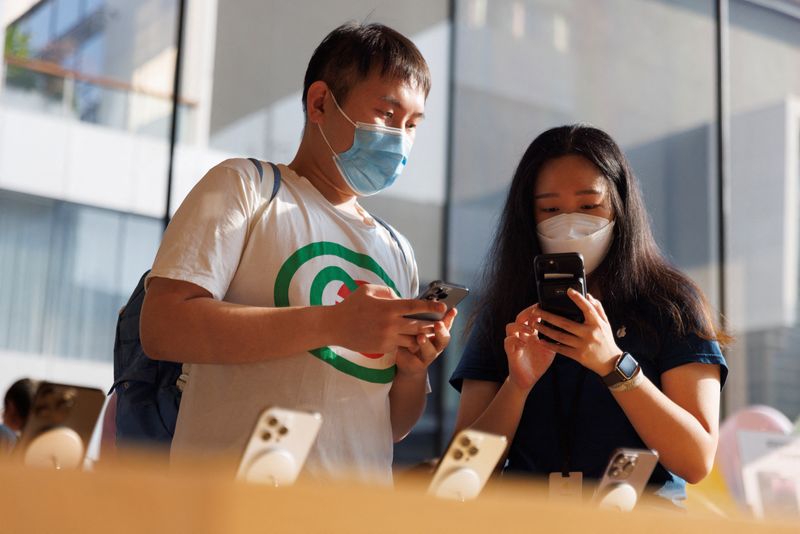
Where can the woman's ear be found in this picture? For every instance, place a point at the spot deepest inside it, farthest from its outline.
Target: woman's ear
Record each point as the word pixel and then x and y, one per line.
pixel 315 102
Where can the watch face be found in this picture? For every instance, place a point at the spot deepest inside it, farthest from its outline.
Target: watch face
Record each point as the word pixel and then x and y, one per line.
pixel 627 365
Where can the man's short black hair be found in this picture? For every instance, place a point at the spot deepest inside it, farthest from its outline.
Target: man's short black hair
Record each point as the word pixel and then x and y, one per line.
pixel 349 54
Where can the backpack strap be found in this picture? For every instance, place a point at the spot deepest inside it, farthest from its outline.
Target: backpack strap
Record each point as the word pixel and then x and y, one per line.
pixel 276 176
pixel 259 168
pixel 394 236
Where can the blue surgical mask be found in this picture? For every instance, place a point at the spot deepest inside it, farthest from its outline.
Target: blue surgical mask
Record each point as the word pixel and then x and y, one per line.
pixel 377 157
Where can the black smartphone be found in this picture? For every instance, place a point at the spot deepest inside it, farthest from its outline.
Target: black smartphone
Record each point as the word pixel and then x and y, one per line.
pixel 555 275
pixel 450 294
pixel 60 425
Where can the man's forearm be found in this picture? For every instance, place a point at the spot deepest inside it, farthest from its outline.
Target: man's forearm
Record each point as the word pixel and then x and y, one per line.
pixel 204 330
pixel 406 402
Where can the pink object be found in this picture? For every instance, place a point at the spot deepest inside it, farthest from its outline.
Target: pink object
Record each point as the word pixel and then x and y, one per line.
pixel 756 418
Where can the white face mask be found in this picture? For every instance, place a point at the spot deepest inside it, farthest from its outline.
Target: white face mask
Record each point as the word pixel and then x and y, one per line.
pixel 577 232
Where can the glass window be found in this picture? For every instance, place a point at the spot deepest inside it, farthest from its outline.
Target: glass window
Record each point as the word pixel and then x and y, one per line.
pixel 90 6
pixel 67 15
pixel 38 26
pixel 72 268
pixel 764 226
pixel 77 231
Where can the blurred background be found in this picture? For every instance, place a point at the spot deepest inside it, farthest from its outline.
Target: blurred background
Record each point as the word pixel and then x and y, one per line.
pixel 96 149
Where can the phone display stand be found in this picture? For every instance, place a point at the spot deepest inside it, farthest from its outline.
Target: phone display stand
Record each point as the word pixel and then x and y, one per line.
pixel 620 496
pixel 274 467
pixel 461 484
pixel 278 446
pixel 467 465
pixel 57 448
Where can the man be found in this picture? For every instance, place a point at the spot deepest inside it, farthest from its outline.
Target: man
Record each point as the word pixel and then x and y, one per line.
pixel 295 302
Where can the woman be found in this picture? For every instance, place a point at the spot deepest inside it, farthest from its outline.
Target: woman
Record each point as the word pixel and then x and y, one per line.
pixel 574 191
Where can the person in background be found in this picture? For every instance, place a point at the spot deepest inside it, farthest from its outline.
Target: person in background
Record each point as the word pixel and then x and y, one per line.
pixel 17 403
pixel 16 407
pixel 644 370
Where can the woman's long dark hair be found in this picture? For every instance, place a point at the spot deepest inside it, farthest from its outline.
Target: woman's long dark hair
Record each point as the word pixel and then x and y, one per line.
pixel 635 278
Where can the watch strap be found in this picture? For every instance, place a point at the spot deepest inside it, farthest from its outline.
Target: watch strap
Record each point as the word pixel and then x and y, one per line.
pixel 627 385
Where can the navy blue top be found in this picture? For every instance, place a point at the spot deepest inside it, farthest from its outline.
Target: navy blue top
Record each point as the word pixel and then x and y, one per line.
pixel 600 425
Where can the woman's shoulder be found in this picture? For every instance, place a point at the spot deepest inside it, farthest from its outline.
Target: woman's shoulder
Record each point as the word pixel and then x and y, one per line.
pixel 671 336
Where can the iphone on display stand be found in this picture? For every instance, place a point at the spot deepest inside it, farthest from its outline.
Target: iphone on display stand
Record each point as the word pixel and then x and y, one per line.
pixel 278 446
pixel 467 465
pixel 60 425
pixel 625 478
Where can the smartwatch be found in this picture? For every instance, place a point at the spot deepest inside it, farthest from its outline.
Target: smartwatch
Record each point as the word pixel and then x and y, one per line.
pixel 625 369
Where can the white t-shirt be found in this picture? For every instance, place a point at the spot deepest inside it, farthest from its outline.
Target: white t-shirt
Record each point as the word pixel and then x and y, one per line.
pixel 301 251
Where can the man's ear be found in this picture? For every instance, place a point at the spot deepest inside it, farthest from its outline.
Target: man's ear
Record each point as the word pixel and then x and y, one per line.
pixel 315 101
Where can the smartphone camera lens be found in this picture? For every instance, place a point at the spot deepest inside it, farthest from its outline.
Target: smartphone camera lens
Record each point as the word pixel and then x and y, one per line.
pixel 465 442
pixel 628 469
pixel 458 454
pixel 473 451
pixel 67 401
pixel 272 421
pixel 266 436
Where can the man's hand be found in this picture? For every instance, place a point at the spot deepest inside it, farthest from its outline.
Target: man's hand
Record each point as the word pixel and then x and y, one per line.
pixel 371 320
pixel 407 396
pixel 429 345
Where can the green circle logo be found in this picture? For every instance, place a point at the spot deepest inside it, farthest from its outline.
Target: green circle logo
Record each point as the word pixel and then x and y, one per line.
pixel 323 279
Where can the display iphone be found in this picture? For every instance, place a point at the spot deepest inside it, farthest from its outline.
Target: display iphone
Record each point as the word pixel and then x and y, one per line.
pixel 60 425
pixel 278 446
pixel 467 465
pixel 438 291
pixel 625 478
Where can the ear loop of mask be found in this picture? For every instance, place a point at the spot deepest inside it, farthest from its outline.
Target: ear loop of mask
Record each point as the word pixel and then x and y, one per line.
pixel 324 137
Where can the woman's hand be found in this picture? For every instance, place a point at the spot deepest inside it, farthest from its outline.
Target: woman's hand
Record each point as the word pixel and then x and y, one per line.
pixel 528 356
pixel 590 343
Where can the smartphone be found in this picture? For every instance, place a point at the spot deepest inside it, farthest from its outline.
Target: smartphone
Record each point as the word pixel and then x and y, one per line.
pixel 60 425
pixel 555 275
pixel 467 465
pixel 625 478
pixel 278 446
pixel 438 291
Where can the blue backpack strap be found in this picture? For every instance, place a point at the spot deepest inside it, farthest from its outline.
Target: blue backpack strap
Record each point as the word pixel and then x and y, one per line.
pixel 259 168
pixel 394 236
pixel 276 174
